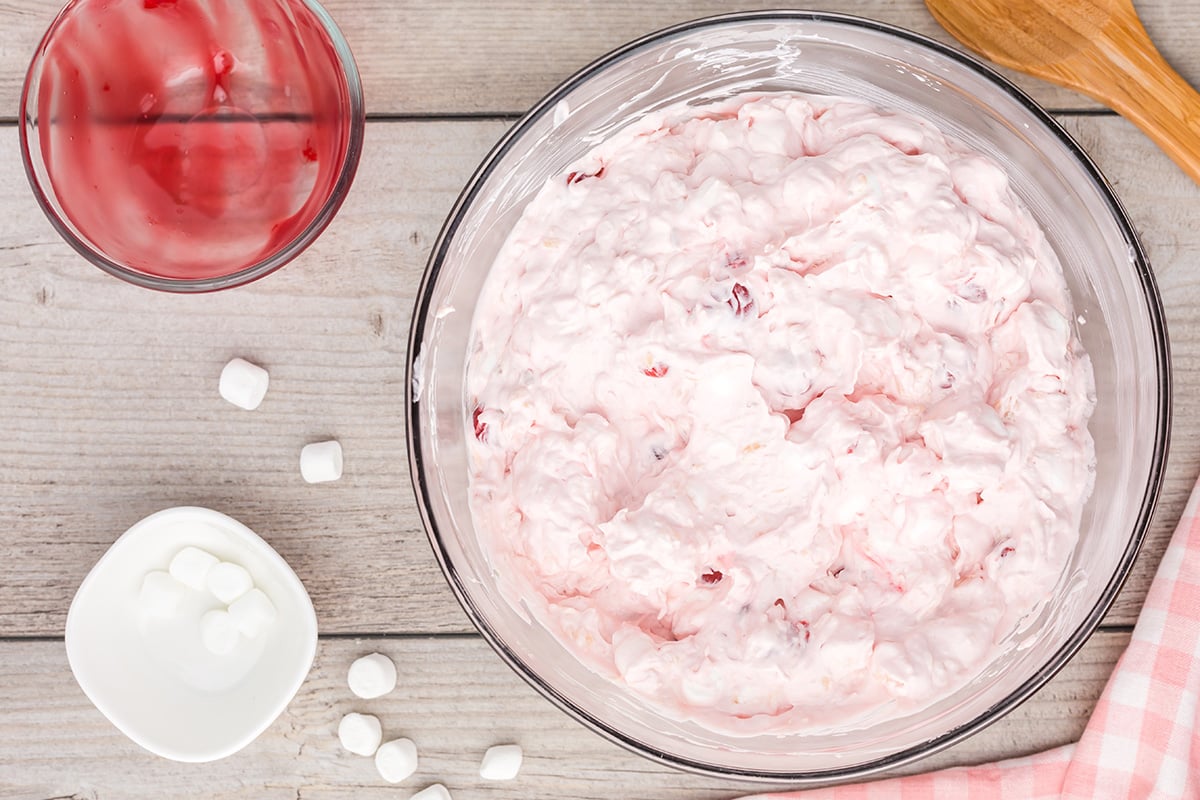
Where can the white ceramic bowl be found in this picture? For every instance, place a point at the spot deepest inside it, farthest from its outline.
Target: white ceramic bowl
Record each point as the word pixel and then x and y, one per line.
pixel 152 677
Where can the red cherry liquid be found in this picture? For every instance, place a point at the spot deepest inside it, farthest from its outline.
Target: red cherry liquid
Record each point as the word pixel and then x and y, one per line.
pixel 190 139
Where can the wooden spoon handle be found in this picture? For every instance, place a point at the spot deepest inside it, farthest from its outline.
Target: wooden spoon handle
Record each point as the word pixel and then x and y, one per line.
pixel 1130 75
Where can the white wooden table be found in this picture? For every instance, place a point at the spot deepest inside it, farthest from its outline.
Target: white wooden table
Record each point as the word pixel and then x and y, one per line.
pixel 109 411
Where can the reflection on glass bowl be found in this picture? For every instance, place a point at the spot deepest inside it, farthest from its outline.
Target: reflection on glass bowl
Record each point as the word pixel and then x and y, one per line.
pixel 1120 324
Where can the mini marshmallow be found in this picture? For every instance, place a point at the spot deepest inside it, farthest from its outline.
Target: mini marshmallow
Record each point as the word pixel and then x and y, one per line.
pixel 190 567
pixel 435 792
pixel 160 594
pixel 218 632
pixel 372 676
pixel 244 384
pixel 227 582
pixel 501 763
pixel 360 734
pixel 321 462
pixel 252 612
pixel 396 760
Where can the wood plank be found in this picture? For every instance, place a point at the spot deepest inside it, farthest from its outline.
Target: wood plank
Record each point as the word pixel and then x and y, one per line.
pixel 111 409
pixel 455 698
pixel 481 56
pixel 110 397
pixel 1163 204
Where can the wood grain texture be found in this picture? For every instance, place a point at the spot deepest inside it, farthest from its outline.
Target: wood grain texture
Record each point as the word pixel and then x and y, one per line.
pixel 1097 47
pixel 480 56
pixel 1163 204
pixel 454 700
pixel 110 398
pixel 111 410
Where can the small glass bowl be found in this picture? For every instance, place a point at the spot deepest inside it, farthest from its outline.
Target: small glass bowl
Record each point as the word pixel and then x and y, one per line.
pixel 1120 322
pixel 191 145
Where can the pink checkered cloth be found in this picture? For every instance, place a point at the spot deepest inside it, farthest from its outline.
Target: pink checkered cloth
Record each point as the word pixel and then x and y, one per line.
pixel 1143 740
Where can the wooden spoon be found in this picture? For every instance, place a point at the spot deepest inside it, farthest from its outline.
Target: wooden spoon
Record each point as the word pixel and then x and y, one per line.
pixel 1097 47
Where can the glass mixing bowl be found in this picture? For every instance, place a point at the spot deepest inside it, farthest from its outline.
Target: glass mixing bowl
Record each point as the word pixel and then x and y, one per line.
pixel 1119 321
pixel 191 146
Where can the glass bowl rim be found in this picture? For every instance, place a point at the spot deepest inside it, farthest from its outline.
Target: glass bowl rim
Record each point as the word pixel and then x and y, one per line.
pixel 261 268
pixel 1139 263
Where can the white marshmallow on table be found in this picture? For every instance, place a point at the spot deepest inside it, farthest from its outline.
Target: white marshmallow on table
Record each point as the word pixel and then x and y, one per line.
pixel 244 384
pixel 396 760
pixel 218 632
pixel 360 733
pixel 252 612
pixel 372 676
pixel 227 582
pixel 435 792
pixel 190 567
pixel 160 594
pixel 501 763
pixel 321 461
